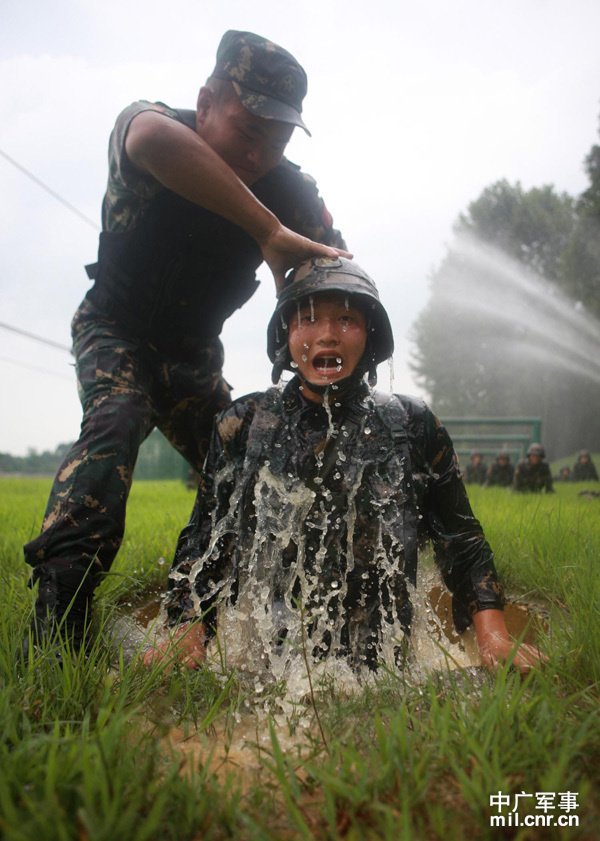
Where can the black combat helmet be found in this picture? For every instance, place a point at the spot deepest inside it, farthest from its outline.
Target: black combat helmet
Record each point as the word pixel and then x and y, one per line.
pixel 324 275
pixel 536 450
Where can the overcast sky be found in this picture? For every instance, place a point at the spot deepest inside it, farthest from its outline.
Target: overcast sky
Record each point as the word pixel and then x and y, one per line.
pixel 414 108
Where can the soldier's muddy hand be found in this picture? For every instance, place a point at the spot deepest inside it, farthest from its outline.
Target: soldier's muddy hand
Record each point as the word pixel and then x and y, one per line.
pixel 496 646
pixel 186 646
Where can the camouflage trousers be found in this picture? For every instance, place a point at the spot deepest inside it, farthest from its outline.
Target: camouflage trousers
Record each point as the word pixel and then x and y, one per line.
pixel 126 387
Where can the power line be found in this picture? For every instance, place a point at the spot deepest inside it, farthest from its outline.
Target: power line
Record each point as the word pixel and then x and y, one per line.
pixel 36 368
pixel 35 337
pixel 49 190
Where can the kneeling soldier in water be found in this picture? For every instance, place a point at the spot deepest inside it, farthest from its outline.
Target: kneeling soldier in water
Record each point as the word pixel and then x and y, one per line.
pixel 319 493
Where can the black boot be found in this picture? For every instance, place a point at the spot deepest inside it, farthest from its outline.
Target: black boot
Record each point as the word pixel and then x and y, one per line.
pixel 63 608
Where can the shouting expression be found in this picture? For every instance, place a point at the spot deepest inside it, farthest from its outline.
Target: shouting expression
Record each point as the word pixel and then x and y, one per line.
pixel 327 339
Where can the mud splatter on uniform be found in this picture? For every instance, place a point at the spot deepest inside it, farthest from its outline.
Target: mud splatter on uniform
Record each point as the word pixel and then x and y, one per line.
pixel 382 475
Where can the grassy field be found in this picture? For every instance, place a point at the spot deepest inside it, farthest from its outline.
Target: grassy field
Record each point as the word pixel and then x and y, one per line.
pixel 104 749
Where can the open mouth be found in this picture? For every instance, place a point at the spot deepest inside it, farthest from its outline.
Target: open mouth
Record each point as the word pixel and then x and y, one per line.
pixel 328 366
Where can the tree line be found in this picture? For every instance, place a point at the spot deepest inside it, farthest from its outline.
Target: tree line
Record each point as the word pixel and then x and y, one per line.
pixel 156 460
pixel 512 327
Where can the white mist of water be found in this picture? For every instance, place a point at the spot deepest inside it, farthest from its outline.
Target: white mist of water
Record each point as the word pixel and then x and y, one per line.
pixel 553 328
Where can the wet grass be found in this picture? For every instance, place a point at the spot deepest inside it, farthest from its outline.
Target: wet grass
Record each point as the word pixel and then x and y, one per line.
pixel 85 753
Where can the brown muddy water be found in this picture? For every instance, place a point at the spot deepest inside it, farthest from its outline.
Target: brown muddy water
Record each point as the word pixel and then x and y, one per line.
pixel 239 742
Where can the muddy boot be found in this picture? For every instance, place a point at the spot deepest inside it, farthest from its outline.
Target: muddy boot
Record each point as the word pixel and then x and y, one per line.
pixel 63 608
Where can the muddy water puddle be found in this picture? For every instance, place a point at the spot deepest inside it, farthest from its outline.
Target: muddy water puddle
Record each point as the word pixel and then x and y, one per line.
pixel 238 743
pixel 524 621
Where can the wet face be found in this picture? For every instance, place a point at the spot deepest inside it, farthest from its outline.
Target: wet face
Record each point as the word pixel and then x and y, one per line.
pixel 250 145
pixel 326 340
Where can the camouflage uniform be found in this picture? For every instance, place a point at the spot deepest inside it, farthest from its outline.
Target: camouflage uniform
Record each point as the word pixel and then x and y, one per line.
pixel 500 475
pixel 394 480
pixel 584 471
pixel 146 338
pixel 532 477
pixel 475 473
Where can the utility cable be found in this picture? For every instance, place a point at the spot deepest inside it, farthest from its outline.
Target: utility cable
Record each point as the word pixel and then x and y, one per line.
pixel 36 338
pixel 36 368
pixel 49 190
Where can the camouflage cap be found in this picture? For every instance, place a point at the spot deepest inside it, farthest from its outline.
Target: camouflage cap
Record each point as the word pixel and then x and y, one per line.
pixel 268 80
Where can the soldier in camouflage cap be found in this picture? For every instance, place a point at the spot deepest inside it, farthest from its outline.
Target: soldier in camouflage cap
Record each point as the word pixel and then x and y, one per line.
pixel 267 79
pixel 195 201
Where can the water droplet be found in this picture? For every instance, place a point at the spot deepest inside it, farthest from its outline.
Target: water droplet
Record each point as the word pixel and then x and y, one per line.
pixel 161 561
pixel 295 364
pixel 367 430
pixel 304 358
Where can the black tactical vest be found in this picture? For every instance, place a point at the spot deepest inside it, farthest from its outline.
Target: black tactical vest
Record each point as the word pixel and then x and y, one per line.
pixel 183 270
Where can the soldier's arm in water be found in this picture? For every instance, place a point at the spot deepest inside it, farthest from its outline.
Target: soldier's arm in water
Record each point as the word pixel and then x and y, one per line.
pixel 465 558
pixel 496 645
pixel 181 161
pixel 186 646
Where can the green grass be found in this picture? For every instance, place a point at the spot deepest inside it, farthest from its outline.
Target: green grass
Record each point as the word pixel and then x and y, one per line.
pixel 84 752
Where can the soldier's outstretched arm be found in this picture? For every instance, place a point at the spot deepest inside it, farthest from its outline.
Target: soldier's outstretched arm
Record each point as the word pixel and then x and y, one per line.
pixel 181 161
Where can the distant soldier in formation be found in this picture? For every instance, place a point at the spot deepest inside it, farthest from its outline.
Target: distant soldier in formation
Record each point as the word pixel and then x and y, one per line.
pixel 564 474
pixel 501 472
pixel 533 473
pixel 476 470
pixel 584 469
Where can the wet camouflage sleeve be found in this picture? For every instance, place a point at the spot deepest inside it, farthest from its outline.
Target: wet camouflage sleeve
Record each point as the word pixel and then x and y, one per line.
pixel 227 447
pixel 461 550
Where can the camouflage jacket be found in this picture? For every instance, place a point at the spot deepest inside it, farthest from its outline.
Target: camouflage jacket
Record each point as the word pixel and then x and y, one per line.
pixel 170 270
pixel 336 504
pixel 500 475
pixel 532 477
pixel 584 472
pixel 475 473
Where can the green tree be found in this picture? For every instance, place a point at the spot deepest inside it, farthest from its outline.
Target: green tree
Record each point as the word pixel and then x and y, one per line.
pixel 582 256
pixel 498 337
